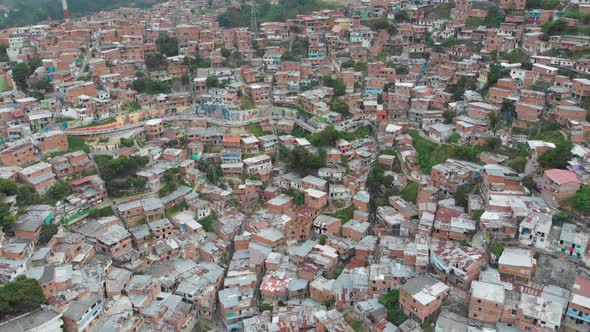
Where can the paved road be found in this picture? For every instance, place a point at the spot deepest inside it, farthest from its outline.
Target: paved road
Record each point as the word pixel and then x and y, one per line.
pixel 191 117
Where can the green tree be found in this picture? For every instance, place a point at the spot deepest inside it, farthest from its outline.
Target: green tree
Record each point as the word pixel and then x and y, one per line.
pixel 556 27
pixel 402 16
pixel 212 82
pixel 27 196
pixel 57 192
pixel 126 142
pixel 323 239
pixel 518 164
pixel 20 73
pixel 328 81
pixel 449 115
pixel 558 157
pixel 390 301
pixel 341 108
pixel 133 105
pixel 582 199
pixel 529 183
pixel 47 233
pixel 155 61
pixel 459 89
pixel 197 62
pixel 8 187
pixel 494 73
pixel 20 296
pixel 35 63
pixel 149 86
pixel 550 4
pixel 410 191
pixel 167 45
pixel 460 195
pixel 493 143
pixel 290 56
pixel 3 54
pixel 265 307
pixel 339 87
pixel 185 79
pixel 302 161
pixel 497 249
pixel 345 215
pixel 454 138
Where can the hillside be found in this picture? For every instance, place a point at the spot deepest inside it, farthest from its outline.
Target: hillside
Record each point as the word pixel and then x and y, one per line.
pixel 28 12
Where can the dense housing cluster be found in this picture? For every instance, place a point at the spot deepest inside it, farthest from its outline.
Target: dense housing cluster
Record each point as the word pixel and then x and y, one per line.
pixel 303 165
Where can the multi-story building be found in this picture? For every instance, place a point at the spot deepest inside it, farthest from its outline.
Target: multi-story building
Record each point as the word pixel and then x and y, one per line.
pixel 422 296
pixel 517 264
pixel 486 302
pixel 578 310
pixel 559 184
pixel 458 266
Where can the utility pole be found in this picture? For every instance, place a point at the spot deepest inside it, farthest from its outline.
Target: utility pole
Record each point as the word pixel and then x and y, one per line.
pixel 253 24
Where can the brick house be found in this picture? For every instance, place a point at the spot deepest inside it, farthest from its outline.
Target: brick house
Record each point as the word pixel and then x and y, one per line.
pixel 517 264
pixel 486 302
pixel 18 155
pixel 422 296
pixel 559 184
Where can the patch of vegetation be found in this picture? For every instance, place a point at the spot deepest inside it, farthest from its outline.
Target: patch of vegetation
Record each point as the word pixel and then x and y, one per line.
pixel 575 13
pixel 172 179
pixel 265 307
pixel 444 10
pixel 395 314
pixel 345 214
pixel 155 61
pixel 529 183
pixel 476 214
pixel 426 155
pixel 30 12
pixel 298 196
pixel 149 86
pixel 119 174
pixel 47 233
pixel 493 19
pixel 497 249
pixel 454 138
pixel 20 296
pixel 302 161
pixel 167 45
pixel 197 62
pixel 358 66
pixel 582 200
pixel 267 12
pixel 207 222
pixel 410 191
pixel 542 4
pixel 380 187
pixel 461 194
pixel 518 164
pixel 76 143
pixel 98 213
pixel 57 192
pixel 175 209
pixel 329 136
pixel 127 142
pixel 341 108
pixel 256 130
pixel 380 23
